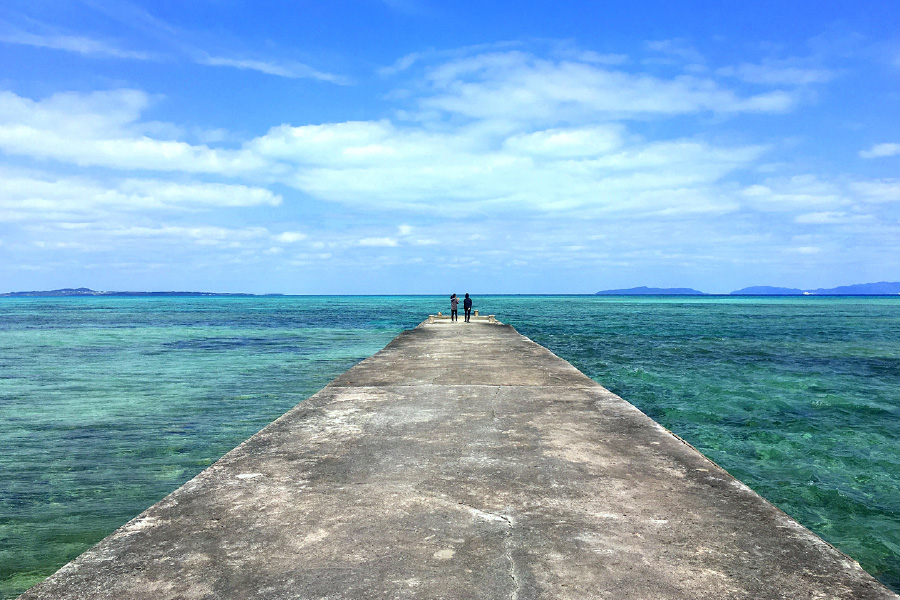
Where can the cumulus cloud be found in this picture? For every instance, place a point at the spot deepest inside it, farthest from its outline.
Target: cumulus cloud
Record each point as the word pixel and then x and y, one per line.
pixel 166 194
pixel 382 165
pixel 41 197
pixel 521 87
pixel 98 113
pixel 800 192
pixel 102 129
pixel 879 190
pixel 835 202
pixel 566 158
pixel 492 133
pixel 258 238
pixel 290 237
pixel 568 142
pixel 486 164
pixel 201 234
pixel 881 150
pixel 384 242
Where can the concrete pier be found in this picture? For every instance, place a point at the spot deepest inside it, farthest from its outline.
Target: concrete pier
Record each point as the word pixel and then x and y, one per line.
pixel 462 461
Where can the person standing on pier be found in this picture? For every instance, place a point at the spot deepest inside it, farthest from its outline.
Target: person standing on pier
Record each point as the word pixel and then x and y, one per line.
pixel 454 302
pixel 467 305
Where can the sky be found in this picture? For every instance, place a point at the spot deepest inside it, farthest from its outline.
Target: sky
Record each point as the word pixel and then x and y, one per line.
pixel 430 147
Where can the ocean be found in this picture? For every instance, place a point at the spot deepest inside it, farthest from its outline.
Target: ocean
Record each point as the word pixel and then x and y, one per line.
pixel 107 404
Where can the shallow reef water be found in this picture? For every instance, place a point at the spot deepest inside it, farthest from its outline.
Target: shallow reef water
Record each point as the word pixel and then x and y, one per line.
pixel 107 404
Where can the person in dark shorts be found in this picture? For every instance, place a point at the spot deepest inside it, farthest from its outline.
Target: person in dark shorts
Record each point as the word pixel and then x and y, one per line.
pixel 454 302
pixel 467 305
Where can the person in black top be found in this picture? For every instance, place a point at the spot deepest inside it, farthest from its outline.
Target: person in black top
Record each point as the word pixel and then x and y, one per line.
pixel 467 304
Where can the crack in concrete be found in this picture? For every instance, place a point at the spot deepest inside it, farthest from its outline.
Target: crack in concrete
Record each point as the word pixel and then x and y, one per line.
pixel 496 395
pixel 508 545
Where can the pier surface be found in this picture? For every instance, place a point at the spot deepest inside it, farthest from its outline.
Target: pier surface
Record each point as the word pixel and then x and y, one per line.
pixel 462 461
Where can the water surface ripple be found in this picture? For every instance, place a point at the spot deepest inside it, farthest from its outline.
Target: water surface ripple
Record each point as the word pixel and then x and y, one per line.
pixel 109 404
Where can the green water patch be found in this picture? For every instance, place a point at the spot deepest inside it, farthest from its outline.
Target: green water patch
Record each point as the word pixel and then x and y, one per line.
pixel 109 404
pixel 798 398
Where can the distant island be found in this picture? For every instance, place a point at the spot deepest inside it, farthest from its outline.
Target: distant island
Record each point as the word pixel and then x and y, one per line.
pixel 882 288
pixel 767 290
pixel 89 292
pixel 648 291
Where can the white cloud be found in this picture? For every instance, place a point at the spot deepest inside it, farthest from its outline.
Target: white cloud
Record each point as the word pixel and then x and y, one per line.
pixel 42 197
pixel 403 63
pixel 383 166
pixel 822 218
pixel 96 114
pixel 72 43
pixel 170 194
pixel 290 237
pixel 166 238
pixel 290 69
pixel 200 234
pixel 800 192
pixel 500 133
pixel 879 190
pixel 820 200
pixel 676 48
pixel 516 86
pixel 575 159
pixel 379 242
pixel 574 142
pixel 774 73
pixel 881 150
pixel 603 59
pixel 258 238
pixel 492 163
pixel 103 129
pixel 330 144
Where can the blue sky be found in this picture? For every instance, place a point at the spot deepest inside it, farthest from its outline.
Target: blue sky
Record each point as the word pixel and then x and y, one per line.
pixel 416 146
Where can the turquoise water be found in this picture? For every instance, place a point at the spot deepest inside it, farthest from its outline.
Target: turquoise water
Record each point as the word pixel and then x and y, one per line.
pixel 108 404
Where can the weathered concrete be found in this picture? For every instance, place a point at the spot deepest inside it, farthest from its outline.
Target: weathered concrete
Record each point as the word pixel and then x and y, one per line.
pixel 463 461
